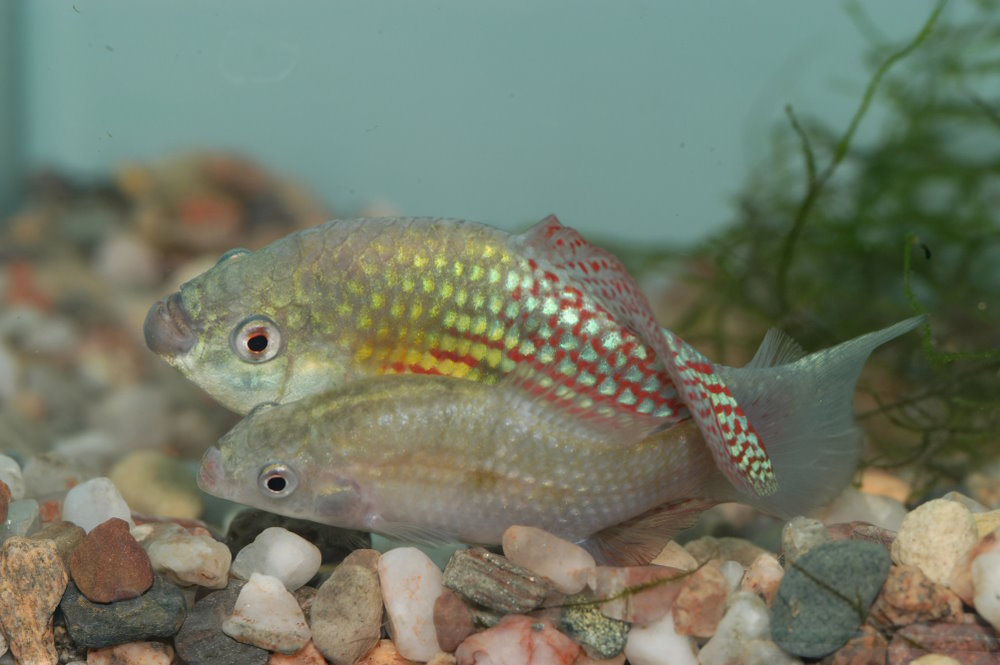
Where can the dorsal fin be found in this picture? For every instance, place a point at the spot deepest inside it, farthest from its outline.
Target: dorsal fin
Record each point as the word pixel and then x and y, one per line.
pixel 738 451
pixel 776 349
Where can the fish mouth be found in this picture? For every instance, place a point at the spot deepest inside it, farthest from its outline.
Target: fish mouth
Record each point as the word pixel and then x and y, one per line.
pixel 210 474
pixel 168 328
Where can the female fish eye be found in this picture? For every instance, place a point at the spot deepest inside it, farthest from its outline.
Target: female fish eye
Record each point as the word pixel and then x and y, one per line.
pixel 277 480
pixel 232 254
pixel 256 340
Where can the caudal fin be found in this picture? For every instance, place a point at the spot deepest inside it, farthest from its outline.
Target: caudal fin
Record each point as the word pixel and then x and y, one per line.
pixel 802 409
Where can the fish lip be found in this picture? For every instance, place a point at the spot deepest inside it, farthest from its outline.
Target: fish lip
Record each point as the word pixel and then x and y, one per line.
pixel 168 328
pixel 210 473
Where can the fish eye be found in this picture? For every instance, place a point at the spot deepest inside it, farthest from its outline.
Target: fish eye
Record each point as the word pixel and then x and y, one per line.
pixel 256 340
pixel 232 254
pixel 277 480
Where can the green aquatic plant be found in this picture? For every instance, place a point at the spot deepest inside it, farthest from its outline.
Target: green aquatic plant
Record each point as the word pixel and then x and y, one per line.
pixel 835 236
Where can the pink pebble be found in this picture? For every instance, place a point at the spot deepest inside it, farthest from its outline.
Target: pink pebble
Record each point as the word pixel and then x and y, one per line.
pixel 562 562
pixel 518 640
pixel 637 594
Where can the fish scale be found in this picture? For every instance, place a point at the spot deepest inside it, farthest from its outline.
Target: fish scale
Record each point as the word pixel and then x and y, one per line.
pixel 538 325
pixel 729 434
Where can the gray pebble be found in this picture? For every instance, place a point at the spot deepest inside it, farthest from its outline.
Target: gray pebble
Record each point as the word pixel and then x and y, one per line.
pixel 825 595
pixel 156 614
pixel 201 640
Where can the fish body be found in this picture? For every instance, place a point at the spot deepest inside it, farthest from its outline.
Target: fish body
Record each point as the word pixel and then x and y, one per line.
pixel 426 458
pixel 349 300
pixel 429 458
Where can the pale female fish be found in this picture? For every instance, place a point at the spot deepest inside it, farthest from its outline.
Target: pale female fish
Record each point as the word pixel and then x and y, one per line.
pixel 546 311
pixel 430 458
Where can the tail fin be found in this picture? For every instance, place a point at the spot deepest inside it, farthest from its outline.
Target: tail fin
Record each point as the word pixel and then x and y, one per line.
pixel 802 408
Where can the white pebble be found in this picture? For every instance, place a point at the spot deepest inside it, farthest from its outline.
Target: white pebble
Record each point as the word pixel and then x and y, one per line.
pixel 745 620
pixel 22 519
pixel 934 537
pixel 410 585
pixel 94 502
pixel 184 558
pixel 854 505
pixel 562 562
pixel 266 615
pixel 280 553
pixel 659 644
pixel 10 473
pixel 733 572
pixel 801 534
pixel 986 582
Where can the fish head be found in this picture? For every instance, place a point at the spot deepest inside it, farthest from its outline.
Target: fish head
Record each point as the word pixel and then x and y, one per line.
pixel 239 330
pixel 272 461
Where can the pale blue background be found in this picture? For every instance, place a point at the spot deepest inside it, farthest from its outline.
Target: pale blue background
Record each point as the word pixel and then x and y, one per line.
pixel 634 120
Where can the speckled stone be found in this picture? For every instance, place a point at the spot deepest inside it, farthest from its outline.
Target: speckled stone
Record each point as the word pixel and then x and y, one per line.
pixel 701 603
pixel 602 637
pixel 201 641
pixel 490 580
pixel 346 614
pixel 156 614
pixel 66 536
pixel 934 537
pixel 969 643
pixel 908 596
pixel 867 648
pixel 109 565
pixel 32 580
pixel 825 595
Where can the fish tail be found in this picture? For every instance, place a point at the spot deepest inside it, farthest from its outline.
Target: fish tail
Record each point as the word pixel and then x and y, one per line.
pixel 802 409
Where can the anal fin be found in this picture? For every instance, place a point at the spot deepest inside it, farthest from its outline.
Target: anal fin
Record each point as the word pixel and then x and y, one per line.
pixel 639 540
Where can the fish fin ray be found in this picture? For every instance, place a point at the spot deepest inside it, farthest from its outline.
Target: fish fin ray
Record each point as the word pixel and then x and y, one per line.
pixel 736 447
pixel 777 348
pixel 805 411
pixel 428 536
pixel 639 540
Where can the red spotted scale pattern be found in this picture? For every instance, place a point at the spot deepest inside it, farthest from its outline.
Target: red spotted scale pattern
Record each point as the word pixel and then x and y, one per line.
pixel 735 445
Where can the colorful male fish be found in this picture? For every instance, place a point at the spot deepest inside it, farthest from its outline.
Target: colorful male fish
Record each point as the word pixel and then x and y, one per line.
pixel 505 379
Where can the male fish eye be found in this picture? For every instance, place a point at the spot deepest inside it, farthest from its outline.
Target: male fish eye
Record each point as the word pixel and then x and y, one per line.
pixel 277 480
pixel 232 254
pixel 256 340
